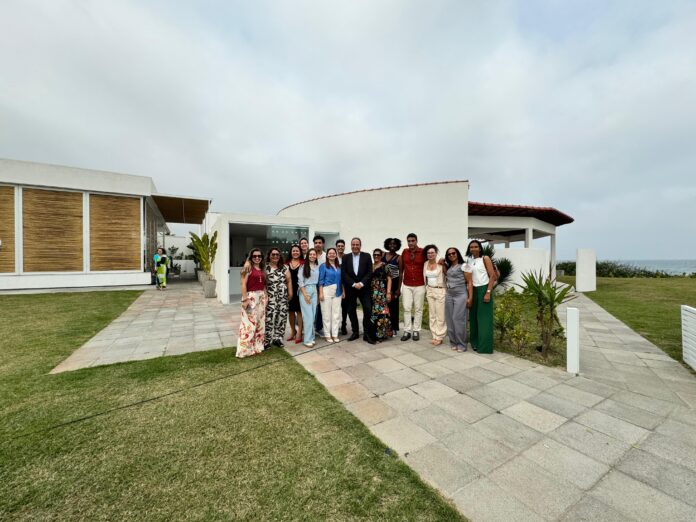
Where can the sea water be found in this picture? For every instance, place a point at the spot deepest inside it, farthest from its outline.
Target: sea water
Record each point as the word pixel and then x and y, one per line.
pixel 671 266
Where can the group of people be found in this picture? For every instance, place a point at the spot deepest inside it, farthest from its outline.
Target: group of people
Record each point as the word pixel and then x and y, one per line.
pixel 317 292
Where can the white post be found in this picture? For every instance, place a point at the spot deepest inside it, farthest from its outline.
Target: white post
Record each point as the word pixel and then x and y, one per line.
pixel 585 270
pixel 553 257
pixel 528 237
pixel 573 340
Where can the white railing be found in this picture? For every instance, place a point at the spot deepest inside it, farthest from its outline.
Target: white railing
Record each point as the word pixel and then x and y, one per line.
pixel 573 340
pixel 688 317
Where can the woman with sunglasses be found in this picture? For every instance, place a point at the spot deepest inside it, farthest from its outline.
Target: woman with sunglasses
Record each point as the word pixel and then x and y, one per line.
pixel 279 290
pixel 307 281
pixel 252 325
pixel 483 278
pixel 434 276
pixel 294 265
pixel 381 295
pixel 458 299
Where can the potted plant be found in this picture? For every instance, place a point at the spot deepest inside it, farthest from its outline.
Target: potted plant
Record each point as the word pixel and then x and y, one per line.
pixel 205 248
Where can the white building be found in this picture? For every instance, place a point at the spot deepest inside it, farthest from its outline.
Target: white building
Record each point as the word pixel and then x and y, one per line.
pixel 438 213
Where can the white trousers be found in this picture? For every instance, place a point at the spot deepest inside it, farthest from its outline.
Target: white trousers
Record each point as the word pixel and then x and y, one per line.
pixel 331 311
pixel 412 297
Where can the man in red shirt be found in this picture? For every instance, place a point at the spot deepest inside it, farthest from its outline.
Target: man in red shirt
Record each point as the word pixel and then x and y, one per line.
pixel 412 286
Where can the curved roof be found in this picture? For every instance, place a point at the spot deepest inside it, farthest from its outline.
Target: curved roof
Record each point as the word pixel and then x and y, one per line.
pixel 374 189
pixel 546 214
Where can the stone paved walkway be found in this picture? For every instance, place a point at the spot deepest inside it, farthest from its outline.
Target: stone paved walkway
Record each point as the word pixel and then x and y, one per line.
pixel 172 322
pixel 509 440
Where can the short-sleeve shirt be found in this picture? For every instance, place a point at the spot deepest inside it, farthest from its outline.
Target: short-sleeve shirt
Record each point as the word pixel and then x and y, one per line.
pixel 413 267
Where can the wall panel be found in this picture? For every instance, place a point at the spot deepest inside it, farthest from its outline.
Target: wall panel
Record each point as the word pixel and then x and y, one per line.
pixel 7 229
pixel 52 228
pixel 114 223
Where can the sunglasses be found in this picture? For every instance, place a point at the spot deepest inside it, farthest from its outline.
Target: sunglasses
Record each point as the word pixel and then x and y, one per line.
pixel 257 256
pixel 276 254
pixel 451 253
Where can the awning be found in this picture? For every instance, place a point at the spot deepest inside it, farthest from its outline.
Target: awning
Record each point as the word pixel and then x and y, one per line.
pixel 180 209
pixel 546 214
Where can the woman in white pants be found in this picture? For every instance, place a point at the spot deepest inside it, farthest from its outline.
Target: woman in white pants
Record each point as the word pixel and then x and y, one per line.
pixel 330 295
pixel 435 292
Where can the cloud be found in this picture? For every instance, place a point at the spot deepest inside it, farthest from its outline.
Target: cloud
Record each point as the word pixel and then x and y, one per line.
pixel 587 107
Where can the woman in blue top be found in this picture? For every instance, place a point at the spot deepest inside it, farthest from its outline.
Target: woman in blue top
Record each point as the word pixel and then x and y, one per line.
pixel 330 295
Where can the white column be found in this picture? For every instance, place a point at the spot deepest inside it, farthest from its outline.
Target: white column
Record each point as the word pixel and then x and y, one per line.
pixel 553 257
pixel 507 244
pixel 85 232
pixel 585 270
pixel 19 232
pixel 573 340
pixel 528 237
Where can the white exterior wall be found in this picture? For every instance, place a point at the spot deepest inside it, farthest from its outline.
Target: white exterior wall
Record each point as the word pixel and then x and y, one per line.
pixel 586 270
pixel 437 213
pixel 72 280
pixel 525 260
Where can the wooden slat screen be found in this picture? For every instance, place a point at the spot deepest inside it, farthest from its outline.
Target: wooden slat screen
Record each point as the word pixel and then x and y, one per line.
pixel 7 230
pixel 52 231
pixel 114 223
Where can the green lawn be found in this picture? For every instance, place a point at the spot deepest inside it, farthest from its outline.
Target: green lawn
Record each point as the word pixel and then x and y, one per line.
pixel 268 443
pixel 650 306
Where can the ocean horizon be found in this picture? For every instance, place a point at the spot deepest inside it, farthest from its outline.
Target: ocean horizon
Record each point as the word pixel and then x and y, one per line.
pixel 671 266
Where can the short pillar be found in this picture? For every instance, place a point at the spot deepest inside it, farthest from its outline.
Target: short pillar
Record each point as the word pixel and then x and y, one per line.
pixel 573 340
pixel 528 237
pixel 586 270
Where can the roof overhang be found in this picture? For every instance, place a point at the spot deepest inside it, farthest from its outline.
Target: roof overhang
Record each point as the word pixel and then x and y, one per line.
pixel 546 214
pixel 180 209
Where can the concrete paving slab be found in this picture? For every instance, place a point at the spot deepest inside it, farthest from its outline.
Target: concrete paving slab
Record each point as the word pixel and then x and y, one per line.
pixel 589 509
pixel 350 392
pixel 567 463
pixel 678 431
pixel 408 377
pixel 334 378
pixel 433 390
pixel 507 431
pixel 481 452
pixel 562 407
pixel 402 435
pixel 496 399
pixel 405 400
pixel 381 384
pixel 514 388
pixel 482 375
pixel 672 479
pixel 372 411
pixel 432 369
pixel 436 421
pixel 546 494
pixel 534 416
pixel 573 394
pixel 640 501
pixel 386 365
pixel 458 382
pixel 617 428
pixel 591 442
pixel 465 408
pixel 483 500
pixel 441 468
pixel 631 414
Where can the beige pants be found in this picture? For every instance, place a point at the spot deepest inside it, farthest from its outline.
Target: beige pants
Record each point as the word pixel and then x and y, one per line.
pixel 436 308
pixel 331 311
pixel 412 298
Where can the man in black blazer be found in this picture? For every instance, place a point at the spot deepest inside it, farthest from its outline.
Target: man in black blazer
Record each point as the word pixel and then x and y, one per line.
pixel 356 274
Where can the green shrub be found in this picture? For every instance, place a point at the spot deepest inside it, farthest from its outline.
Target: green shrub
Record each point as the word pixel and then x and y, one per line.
pixel 508 313
pixel 616 269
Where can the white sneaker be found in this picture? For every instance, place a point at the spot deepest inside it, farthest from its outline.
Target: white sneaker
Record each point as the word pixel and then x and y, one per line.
pixel 329 340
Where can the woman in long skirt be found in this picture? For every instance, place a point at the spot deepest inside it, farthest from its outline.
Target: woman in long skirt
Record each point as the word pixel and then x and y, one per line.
pixel 307 280
pixel 458 299
pixel 391 258
pixel 381 295
pixel 483 278
pixel 278 289
pixel 252 326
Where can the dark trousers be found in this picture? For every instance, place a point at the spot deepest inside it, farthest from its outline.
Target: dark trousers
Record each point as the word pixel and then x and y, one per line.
pixel 394 306
pixel 362 295
pixel 318 321
pixel 344 311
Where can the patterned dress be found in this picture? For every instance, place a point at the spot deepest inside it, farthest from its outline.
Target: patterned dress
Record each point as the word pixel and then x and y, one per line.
pixel 380 307
pixel 277 306
pixel 252 323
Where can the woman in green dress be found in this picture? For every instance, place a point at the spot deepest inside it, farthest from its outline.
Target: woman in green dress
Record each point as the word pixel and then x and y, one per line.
pixel 161 266
pixel 381 295
pixel 483 276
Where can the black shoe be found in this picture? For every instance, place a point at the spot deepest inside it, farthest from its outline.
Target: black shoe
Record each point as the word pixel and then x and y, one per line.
pixel 416 336
pixel 406 336
pixel 344 330
pixel 278 343
pixel 353 336
pixel 369 340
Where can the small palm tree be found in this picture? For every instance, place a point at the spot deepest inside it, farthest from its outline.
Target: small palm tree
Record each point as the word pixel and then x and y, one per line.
pixel 548 297
pixel 503 264
pixel 205 249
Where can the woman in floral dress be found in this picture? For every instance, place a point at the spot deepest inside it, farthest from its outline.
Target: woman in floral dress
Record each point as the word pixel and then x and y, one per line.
pixel 381 295
pixel 252 325
pixel 279 290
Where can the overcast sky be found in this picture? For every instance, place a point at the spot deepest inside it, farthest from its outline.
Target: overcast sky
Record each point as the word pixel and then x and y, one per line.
pixel 586 106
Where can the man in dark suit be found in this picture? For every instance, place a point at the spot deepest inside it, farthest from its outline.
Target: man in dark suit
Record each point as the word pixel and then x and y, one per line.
pixel 356 273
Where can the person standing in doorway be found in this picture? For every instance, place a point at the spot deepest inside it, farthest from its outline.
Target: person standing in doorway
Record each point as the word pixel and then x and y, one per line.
pixel 330 295
pixel 252 325
pixel 483 276
pixel 391 258
pixel 356 272
pixel 340 250
pixel 321 259
pixel 412 287
pixel 307 281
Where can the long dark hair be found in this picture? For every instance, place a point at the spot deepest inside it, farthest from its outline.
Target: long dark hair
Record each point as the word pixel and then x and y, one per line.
pixel 328 263
pixel 468 248
pixel 307 267
pixel 287 262
pixel 460 259
pixel 262 265
pixel 428 247
pixel 280 254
